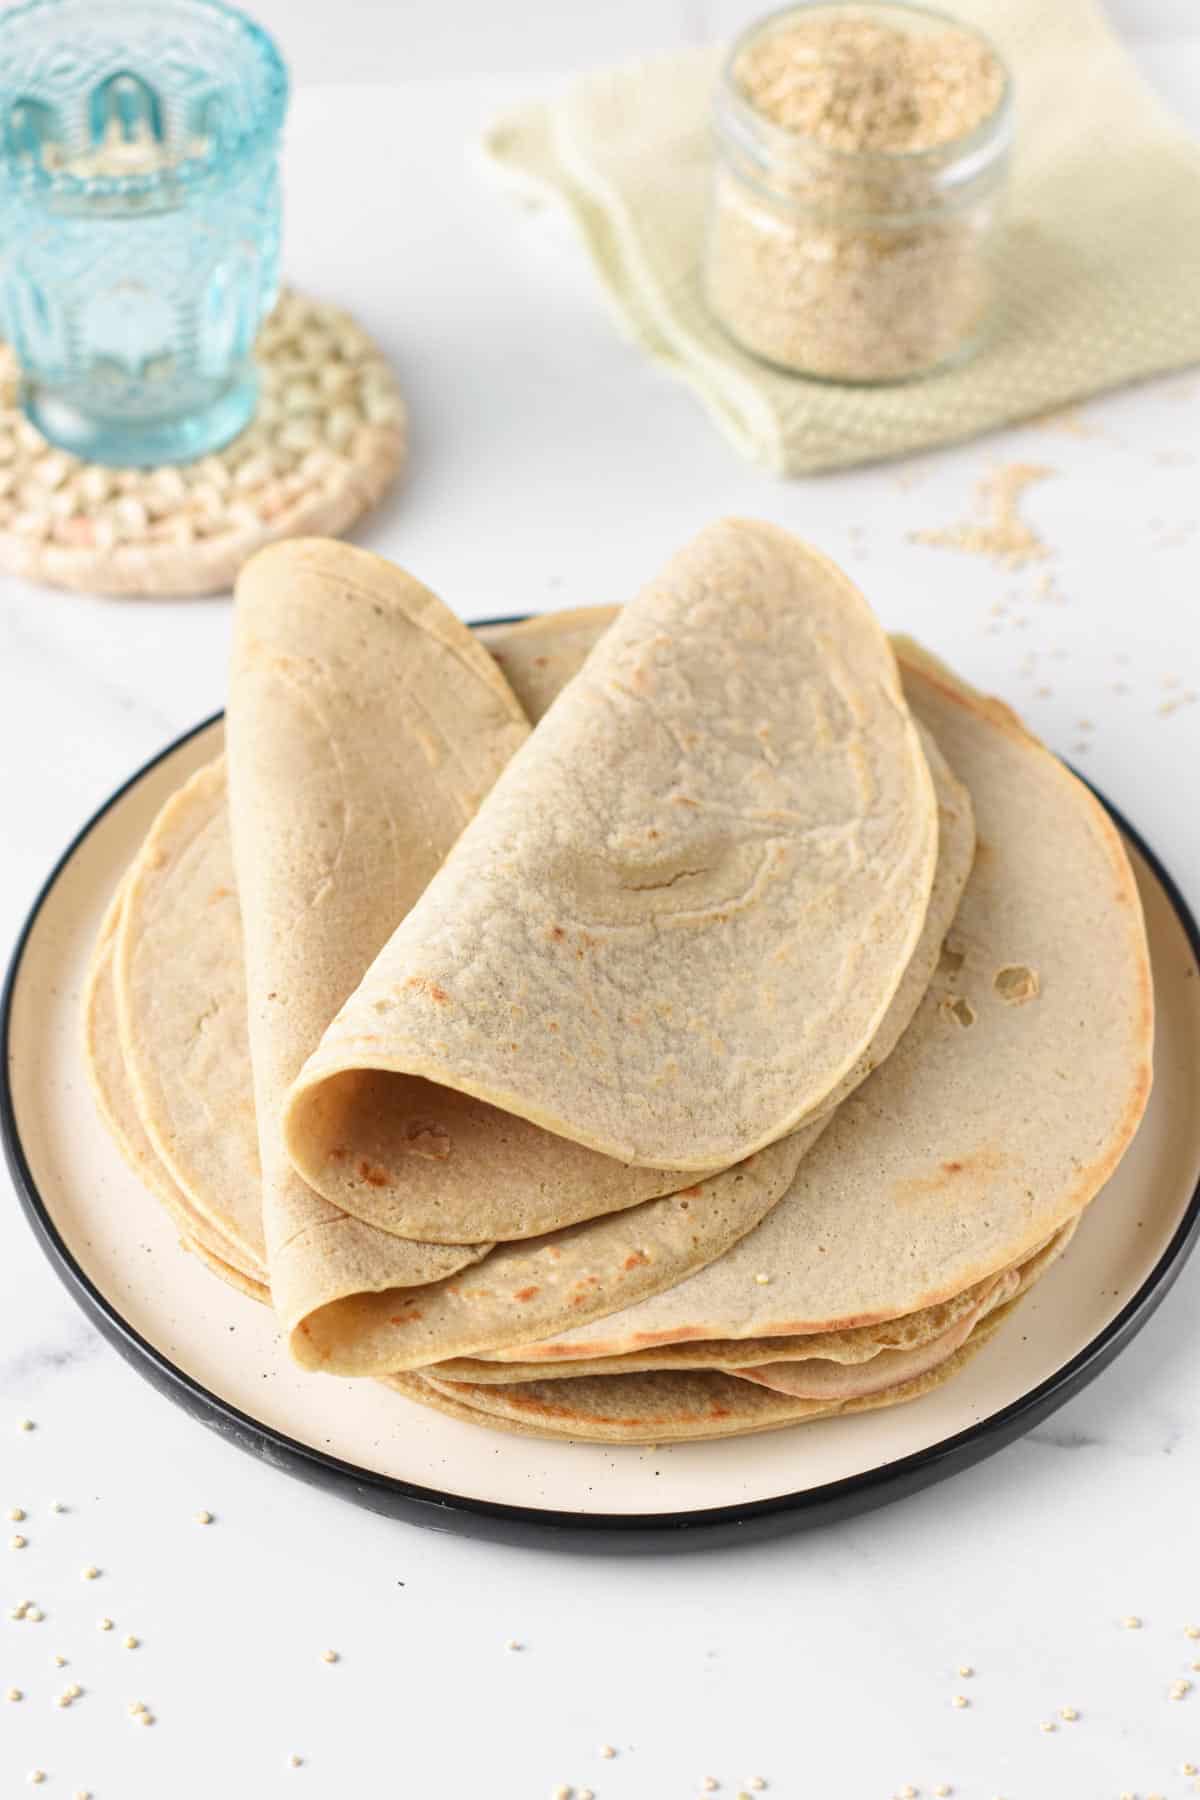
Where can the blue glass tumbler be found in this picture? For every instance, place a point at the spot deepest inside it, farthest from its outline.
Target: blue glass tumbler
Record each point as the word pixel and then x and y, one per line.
pixel 139 219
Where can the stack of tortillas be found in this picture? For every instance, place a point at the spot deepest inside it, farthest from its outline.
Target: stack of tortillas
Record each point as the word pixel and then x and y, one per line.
pixel 638 1024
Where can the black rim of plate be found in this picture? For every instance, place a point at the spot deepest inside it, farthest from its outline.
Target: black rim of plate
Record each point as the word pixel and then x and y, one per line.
pixel 505 1523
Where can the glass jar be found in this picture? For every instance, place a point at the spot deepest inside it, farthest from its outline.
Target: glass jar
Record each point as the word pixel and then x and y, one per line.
pixel 139 219
pixel 846 264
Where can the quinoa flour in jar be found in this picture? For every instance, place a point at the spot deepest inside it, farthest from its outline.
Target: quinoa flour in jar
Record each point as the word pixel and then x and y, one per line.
pixel 862 154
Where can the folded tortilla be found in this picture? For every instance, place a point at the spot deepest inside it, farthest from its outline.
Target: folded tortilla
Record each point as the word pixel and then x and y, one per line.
pixel 1005 1106
pixel 341 1297
pixel 679 918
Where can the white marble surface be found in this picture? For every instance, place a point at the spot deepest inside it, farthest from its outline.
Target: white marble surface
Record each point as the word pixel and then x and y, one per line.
pixel 550 467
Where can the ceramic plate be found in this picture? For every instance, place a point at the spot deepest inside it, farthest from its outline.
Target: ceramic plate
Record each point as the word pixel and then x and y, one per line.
pixel 217 1354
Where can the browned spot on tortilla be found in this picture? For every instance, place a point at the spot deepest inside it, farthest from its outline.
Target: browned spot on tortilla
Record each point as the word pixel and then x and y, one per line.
pixel 949 1179
pixel 373 1175
pixel 423 985
pixel 423 1138
pixel 959 1010
pixel 219 893
pixel 635 1259
pixel 982 850
pixel 683 800
pixel 1016 984
pixel 540 662
pixel 526 1293
pixel 556 932
pixel 652 833
pixel 551 1024
pixel 406 1318
pixel 692 1192
pixel 338 1153
pixel 718 1412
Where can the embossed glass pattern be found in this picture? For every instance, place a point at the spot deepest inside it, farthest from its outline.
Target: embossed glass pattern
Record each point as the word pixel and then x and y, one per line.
pixel 139 219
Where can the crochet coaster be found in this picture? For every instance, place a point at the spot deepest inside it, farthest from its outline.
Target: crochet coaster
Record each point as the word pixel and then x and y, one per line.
pixel 327 439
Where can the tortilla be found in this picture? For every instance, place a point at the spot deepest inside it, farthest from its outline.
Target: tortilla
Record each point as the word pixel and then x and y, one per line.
pixel 539 656
pixel 696 1406
pixel 588 1270
pixel 105 1064
pixel 677 1407
pixel 852 1348
pixel 1004 1108
pixel 680 916
pixel 364 727
pixel 181 1013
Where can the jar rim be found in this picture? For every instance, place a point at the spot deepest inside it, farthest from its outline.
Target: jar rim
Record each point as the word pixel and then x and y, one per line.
pixel 191 171
pixel 990 132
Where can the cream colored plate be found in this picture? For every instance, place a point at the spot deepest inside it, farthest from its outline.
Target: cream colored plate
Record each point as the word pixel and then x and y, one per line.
pixel 211 1349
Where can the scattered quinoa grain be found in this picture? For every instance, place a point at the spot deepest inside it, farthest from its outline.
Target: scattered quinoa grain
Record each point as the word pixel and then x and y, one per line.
pixel 329 1656
pixel 710 1784
pixel 1131 1622
pixel 104 1625
pixel 1001 532
pixel 1191 1631
pixel 17 1542
pixel 14 1694
pixel 586 1794
pixel 607 1751
pixel 1179 1688
pixel 89 1573
pixel 512 1644
pixel 943 1790
pixel 129 1643
pixel 34 1614
pixel 295 1760
pixel 56 1506
pixel 757 1783
pixel 1049 1725
pixel 16 1513
pixel 204 1517
pixel 960 1700
pixel 965 1669
pixel 24 1424
pixel 1187 1768
pixel 60 1662
pixel 1068 1713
